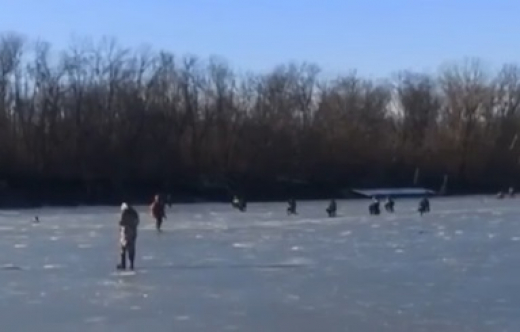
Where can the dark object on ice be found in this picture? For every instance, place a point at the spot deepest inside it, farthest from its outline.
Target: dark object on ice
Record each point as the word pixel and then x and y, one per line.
pixel 128 224
pixel 424 206
pixel 36 220
pixel 373 208
pixel 291 209
pixel 235 203
pixel 331 210
pixel 500 195
pixel 239 203
pixel 389 205
pixel 158 211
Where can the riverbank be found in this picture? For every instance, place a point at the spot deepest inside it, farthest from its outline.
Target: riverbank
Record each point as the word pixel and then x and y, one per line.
pixel 56 192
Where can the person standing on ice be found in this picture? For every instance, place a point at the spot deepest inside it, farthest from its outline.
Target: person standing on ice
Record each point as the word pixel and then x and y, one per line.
pixel 332 208
pixel 158 211
pixel 128 224
pixel 291 209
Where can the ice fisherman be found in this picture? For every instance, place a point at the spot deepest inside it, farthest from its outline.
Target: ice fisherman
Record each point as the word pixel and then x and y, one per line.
pixel 389 204
pixel 373 208
pixel 332 208
pixel 239 203
pixel 291 209
pixel 128 224
pixel 424 205
pixel 235 202
pixel 158 211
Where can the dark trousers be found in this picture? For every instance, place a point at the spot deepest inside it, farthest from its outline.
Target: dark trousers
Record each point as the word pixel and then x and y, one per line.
pixel 158 222
pixel 128 251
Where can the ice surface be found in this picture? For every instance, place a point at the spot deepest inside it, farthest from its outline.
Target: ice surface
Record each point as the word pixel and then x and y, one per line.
pixel 216 269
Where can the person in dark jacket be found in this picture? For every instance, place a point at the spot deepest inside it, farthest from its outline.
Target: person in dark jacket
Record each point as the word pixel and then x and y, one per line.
pixel 239 203
pixel 128 224
pixel 291 209
pixel 389 205
pixel 373 208
pixel 158 211
pixel 332 208
pixel 424 206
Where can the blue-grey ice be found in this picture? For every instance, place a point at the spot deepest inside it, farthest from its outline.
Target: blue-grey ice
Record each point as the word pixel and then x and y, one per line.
pixel 216 269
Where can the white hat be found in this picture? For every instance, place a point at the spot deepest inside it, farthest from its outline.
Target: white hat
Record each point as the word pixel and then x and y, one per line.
pixel 124 206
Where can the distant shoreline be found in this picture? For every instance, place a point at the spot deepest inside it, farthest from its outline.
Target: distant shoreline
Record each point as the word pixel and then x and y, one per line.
pixel 15 199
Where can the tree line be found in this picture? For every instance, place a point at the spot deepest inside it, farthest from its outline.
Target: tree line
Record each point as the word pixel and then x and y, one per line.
pixel 100 119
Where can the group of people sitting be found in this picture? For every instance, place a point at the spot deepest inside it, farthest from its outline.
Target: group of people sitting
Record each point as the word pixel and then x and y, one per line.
pixel 241 205
pixel 373 208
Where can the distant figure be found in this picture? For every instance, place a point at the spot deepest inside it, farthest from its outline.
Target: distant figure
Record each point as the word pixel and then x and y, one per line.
pixel 235 202
pixel 169 200
pixel 424 206
pixel 157 208
pixel 500 195
pixel 36 220
pixel 389 205
pixel 291 209
pixel 239 203
pixel 511 192
pixel 331 210
pixel 373 208
pixel 128 224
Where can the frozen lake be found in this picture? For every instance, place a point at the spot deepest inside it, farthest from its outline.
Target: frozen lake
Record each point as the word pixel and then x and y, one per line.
pixel 216 269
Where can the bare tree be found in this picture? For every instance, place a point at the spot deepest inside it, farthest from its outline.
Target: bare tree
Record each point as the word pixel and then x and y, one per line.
pixel 103 113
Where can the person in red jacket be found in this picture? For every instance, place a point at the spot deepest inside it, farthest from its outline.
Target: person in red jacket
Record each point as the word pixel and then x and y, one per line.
pixel 158 211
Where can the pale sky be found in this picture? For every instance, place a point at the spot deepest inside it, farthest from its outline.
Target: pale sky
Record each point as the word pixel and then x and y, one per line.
pixel 376 37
